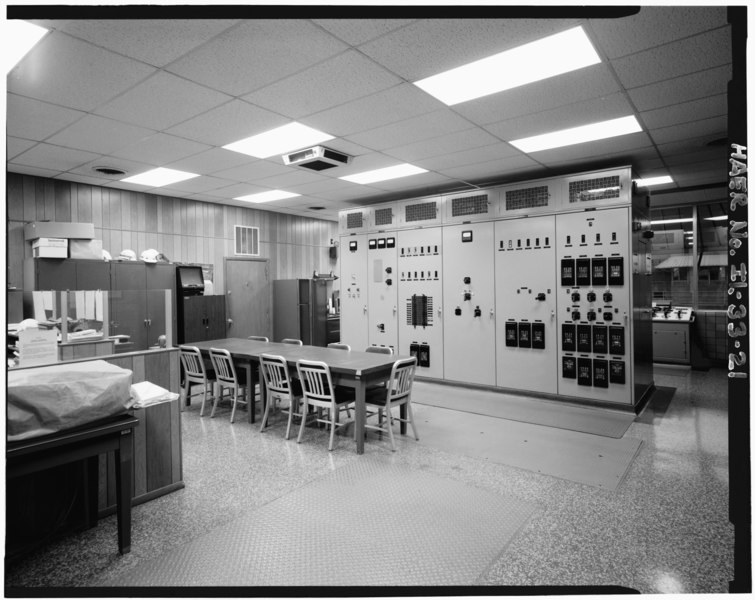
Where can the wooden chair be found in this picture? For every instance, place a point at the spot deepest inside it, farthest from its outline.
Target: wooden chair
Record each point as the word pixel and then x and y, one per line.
pixel 379 349
pixel 292 342
pixel 397 392
pixel 227 379
pixel 318 391
pixel 280 386
pixel 195 372
pixel 258 338
pixel 339 346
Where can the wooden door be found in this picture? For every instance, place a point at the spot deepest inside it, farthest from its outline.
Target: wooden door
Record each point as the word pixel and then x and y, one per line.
pixel 249 293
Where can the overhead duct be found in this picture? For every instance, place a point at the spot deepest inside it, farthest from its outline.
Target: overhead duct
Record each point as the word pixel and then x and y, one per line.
pixel 317 158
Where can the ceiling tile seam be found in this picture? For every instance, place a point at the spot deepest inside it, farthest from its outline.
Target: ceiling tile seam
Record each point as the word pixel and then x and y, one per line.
pixel 78 110
pixel 674 41
pixel 689 102
pixel 391 31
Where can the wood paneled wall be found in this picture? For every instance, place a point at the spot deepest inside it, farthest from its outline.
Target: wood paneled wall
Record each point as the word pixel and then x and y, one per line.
pixel 183 230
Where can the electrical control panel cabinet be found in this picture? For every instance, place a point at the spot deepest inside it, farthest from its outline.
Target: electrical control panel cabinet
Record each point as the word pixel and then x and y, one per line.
pixel 383 217
pixel 355 220
pixel 611 187
pixel 354 296
pixel 420 298
pixel 467 207
pixel 530 198
pixel 382 290
pixel 421 212
pixel 469 326
pixel 525 294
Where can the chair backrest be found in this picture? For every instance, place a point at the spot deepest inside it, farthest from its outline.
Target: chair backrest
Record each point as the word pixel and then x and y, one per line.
pixel 315 379
pixel 258 338
pixel 402 378
pixel 275 371
pixel 191 359
pixel 292 341
pixel 222 362
pixel 339 346
pixel 379 349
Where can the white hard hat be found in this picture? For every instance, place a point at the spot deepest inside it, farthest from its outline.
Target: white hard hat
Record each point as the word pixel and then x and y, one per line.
pixel 150 255
pixel 128 255
pixel 106 255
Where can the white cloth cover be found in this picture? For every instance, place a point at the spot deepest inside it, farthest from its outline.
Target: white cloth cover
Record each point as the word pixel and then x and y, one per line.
pixel 45 400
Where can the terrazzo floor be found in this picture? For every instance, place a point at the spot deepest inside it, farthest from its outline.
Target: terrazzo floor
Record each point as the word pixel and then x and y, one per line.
pixel 663 530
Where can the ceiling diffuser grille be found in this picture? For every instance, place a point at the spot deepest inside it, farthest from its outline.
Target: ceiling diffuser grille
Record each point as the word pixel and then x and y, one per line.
pixel 532 197
pixel 602 188
pixel 246 240
pixel 383 216
pixel 469 205
pixel 423 211
pixel 354 220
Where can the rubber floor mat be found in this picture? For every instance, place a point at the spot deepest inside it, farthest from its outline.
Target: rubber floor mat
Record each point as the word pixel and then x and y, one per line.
pixel 367 523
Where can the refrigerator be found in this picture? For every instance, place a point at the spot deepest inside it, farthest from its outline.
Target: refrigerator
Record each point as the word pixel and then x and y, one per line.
pixel 300 309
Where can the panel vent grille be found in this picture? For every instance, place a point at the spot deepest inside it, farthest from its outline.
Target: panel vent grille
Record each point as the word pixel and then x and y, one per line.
pixel 246 240
pixel 383 216
pixel 469 205
pixel 354 220
pixel 527 197
pixel 424 211
pixel 602 188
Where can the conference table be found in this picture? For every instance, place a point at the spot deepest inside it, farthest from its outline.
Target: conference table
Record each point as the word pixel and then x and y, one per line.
pixel 352 368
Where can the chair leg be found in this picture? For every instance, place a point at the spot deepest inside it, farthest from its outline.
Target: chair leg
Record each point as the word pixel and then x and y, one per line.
pixel 235 401
pixel 304 409
pixel 333 422
pixel 389 427
pixel 216 399
pixel 204 397
pixel 411 419
pixel 293 405
pixel 266 414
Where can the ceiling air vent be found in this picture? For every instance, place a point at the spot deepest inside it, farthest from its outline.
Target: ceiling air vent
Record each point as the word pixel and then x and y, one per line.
pixel 317 158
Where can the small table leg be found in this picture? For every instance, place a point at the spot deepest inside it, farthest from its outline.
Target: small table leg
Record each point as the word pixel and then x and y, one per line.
pixel 360 415
pixel 124 459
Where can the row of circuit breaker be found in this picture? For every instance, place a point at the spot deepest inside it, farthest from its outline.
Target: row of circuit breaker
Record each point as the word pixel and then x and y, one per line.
pixel 596 372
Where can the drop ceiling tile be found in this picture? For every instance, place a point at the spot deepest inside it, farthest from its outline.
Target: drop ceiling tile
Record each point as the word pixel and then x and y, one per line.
pixel 34 120
pixel 27 170
pixel 603 150
pixel 569 88
pixel 256 53
pixel 654 26
pixel 411 130
pixel 82 179
pixel 499 150
pixel 160 149
pixel 413 182
pixel 153 41
pixel 128 166
pixel 228 123
pixel 15 146
pixel 48 70
pixel 196 185
pixel 446 144
pixel 333 82
pixel 366 162
pixel 162 101
pixel 430 46
pixel 211 161
pixel 714 127
pixel 495 170
pixel 53 158
pixel 701 84
pixel 317 187
pixel 285 181
pixel 564 117
pixel 388 106
pixel 353 192
pixel 687 145
pixel 697 53
pixel 359 31
pixel 704 108
pixel 718 156
pixel 252 170
pixel 235 190
pixel 98 134
pixel 697 174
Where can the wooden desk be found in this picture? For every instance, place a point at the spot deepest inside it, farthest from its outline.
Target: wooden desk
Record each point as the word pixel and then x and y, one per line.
pixel 351 369
pixel 84 443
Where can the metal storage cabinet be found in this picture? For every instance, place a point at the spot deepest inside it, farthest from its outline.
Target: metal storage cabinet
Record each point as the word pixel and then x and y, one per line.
pixel 203 319
pixel 62 274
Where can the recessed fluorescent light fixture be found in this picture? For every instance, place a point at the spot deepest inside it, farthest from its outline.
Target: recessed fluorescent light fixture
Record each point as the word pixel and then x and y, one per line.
pixel 279 140
pixel 556 54
pixel 394 172
pixel 267 196
pixel 668 221
pixel 159 177
pixel 578 135
pixel 20 37
pixel 653 181
pixel 718 218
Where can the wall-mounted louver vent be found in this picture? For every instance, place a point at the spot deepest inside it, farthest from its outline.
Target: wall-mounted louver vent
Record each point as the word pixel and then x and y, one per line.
pixel 532 197
pixel 354 220
pixel 601 188
pixel 423 211
pixel 246 240
pixel 469 205
pixel 383 216
pixel 317 158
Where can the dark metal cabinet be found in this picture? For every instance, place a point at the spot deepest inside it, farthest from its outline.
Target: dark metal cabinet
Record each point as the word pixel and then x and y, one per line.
pixel 203 319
